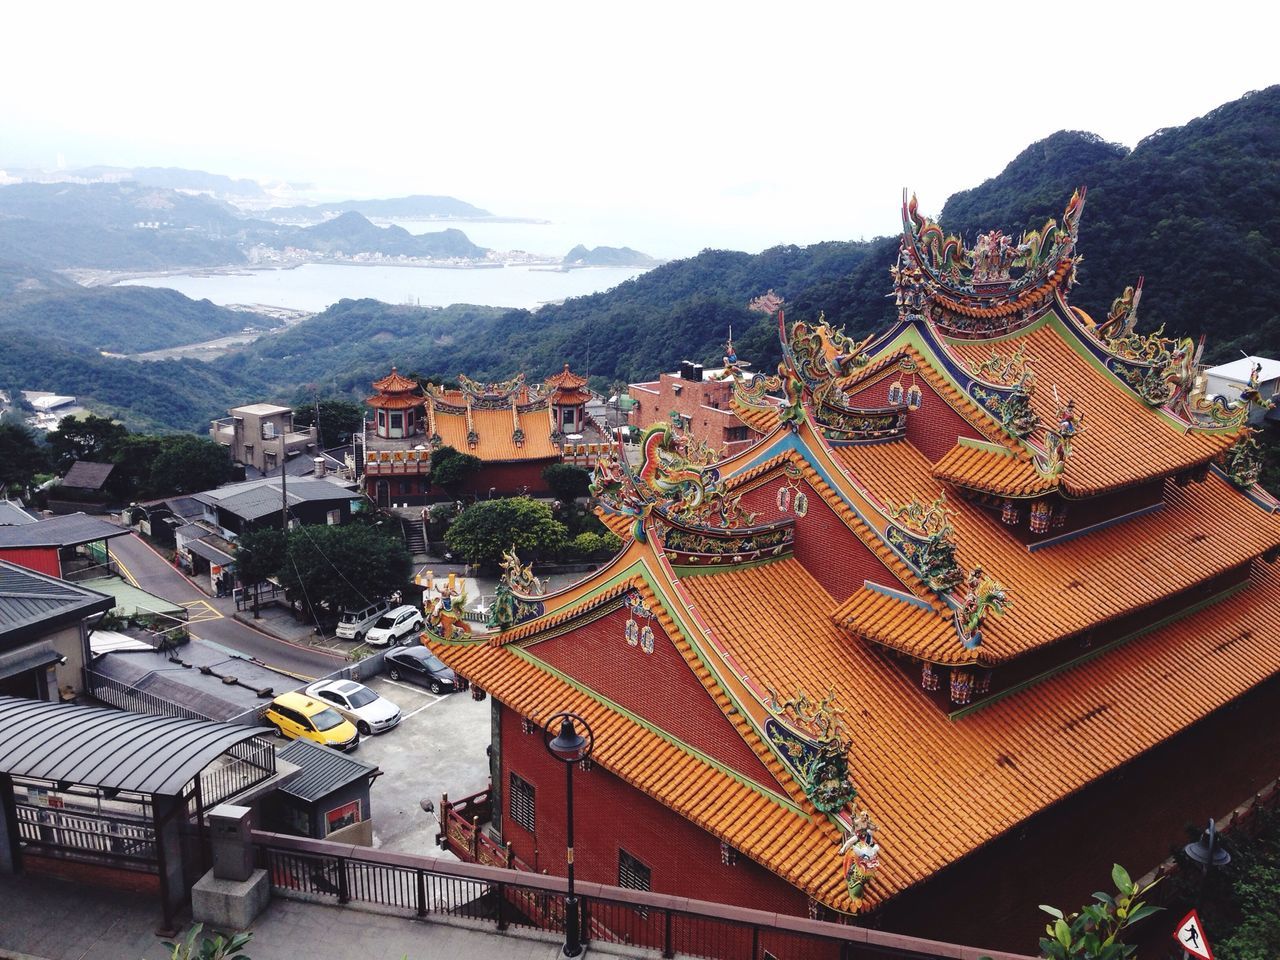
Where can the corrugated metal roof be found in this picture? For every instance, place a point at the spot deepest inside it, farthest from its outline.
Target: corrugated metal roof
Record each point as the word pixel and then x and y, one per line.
pixel 28 598
pixel 322 770
pixel 12 513
pixel 113 749
pixel 257 498
pixel 70 530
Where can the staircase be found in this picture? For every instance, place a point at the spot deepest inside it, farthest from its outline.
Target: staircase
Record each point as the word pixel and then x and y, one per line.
pixel 415 537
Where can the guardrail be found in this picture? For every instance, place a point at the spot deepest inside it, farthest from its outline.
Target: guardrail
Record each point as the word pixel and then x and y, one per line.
pixel 418 886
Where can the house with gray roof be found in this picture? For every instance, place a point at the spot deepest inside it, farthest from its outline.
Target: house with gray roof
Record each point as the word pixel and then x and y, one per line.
pixel 44 633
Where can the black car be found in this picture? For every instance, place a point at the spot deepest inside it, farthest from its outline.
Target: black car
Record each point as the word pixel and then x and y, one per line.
pixel 420 665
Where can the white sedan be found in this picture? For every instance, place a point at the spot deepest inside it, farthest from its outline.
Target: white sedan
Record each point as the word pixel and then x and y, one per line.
pixel 370 712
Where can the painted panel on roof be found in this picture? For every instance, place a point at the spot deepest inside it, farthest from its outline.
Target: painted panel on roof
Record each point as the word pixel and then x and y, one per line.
pixel 40 559
pixel 933 427
pixel 820 536
pixel 629 658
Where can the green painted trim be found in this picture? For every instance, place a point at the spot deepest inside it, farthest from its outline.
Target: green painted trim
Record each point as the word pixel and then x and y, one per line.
pixel 984 445
pixel 1105 648
pixel 721 568
pixel 782 801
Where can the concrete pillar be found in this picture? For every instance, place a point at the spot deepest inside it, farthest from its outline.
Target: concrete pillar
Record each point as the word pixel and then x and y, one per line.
pixel 168 814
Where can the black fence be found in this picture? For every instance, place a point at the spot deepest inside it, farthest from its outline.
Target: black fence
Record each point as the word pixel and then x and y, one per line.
pixel 421 887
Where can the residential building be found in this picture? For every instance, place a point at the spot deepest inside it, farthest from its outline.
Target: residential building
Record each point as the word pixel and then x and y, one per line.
pixel 43 633
pixel 975 567
pixel 72 546
pixel 697 402
pixel 261 436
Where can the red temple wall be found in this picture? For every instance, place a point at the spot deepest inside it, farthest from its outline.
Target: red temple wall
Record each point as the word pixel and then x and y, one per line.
pixel 932 427
pixel 824 544
pixel 657 686
pixel 611 815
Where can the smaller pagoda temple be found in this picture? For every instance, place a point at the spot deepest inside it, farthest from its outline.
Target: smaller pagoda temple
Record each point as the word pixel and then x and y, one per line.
pixel 514 429
pixel 569 398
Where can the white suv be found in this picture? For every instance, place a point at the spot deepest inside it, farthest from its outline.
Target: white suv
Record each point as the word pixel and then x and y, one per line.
pixel 394 626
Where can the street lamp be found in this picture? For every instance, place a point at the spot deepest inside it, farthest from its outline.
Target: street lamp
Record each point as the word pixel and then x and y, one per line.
pixel 1206 851
pixel 566 743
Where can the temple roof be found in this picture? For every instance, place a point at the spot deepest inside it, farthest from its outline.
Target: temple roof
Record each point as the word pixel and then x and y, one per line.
pixel 566 379
pixel 495 434
pixel 394 383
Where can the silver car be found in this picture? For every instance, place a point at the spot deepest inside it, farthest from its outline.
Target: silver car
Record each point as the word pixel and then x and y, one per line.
pixel 370 712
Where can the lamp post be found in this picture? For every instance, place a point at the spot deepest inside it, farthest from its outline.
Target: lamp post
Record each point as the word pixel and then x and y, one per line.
pixel 1208 854
pixel 565 740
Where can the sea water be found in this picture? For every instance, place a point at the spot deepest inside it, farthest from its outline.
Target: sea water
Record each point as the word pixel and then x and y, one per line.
pixel 314 286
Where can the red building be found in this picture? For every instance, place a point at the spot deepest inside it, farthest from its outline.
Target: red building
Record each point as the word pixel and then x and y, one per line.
pixel 975 568
pixel 697 402
pixel 516 431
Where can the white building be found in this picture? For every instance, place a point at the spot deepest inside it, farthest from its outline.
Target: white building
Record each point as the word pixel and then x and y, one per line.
pixel 1228 380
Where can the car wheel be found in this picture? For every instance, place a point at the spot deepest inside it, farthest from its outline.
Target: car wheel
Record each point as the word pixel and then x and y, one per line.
pixel 434 686
pixel 279 732
pixel 364 728
pixel 359 637
pixel 393 673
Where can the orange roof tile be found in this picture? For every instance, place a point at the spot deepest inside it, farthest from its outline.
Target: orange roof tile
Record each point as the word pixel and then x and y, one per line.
pixel 802 849
pixel 394 401
pixel 939 789
pixel 903 625
pixel 1123 441
pixel 566 379
pixel 758 419
pixel 495 428
pixel 992 470
pixel 1202 530
pixel 394 383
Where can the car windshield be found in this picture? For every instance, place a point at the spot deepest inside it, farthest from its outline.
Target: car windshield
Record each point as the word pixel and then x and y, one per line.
pixel 327 719
pixel 383 623
pixel 362 697
pixel 433 663
pixel 350 618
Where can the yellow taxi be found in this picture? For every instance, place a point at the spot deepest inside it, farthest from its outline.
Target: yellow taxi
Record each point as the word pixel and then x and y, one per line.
pixel 295 715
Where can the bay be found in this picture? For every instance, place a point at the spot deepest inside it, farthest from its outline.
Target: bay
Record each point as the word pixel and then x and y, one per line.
pixel 314 286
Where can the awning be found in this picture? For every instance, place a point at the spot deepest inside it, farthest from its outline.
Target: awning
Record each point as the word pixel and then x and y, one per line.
pixel 31 657
pixel 211 553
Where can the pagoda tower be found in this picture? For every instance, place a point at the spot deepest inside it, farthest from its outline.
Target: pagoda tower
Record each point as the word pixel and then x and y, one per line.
pixel 568 395
pixel 398 406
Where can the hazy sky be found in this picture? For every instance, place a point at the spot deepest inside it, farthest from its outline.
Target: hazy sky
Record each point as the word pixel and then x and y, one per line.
pixel 747 124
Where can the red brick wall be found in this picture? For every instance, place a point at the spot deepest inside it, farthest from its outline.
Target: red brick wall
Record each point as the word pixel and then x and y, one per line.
pixel 508 478
pixel 933 427
pixel 40 559
pixel 612 815
pixel 692 401
pixel 824 545
pixel 657 686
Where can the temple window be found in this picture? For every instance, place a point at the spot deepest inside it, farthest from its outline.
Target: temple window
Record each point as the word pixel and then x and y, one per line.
pixel 521 803
pixel 632 874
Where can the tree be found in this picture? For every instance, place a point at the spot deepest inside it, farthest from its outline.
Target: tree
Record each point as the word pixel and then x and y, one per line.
pixel 21 457
pixel 348 566
pixel 1093 933
pixel 451 469
pixel 134 459
pixel 260 555
pixel 339 419
pixel 92 438
pixel 188 464
pixel 488 528
pixel 567 482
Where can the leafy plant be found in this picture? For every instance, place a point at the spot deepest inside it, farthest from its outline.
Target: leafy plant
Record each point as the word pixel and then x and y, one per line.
pixel 216 947
pixel 1093 933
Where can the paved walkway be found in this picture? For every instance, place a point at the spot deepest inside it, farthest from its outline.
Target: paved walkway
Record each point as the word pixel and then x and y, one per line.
pixel 59 920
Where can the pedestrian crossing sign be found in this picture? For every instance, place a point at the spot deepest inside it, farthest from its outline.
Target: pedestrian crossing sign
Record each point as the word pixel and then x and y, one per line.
pixel 1190 936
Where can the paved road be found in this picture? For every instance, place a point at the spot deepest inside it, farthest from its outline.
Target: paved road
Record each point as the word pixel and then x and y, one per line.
pixel 211 618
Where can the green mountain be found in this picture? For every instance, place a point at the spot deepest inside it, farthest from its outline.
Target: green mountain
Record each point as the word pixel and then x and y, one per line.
pixel 418 206
pixel 353 233
pixel 121 319
pixel 581 256
pixel 1196 209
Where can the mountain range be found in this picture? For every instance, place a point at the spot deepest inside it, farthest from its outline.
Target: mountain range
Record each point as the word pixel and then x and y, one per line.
pixel 1195 209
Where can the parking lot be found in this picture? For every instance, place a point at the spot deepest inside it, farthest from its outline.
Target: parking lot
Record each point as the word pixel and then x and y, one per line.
pixel 438 747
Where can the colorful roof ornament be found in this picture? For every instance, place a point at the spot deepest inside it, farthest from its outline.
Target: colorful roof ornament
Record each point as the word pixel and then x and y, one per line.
pixel 923 535
pixel 1242 463
pixel 811 739
pixel 860 854
pixel 514 598
pixel 982 596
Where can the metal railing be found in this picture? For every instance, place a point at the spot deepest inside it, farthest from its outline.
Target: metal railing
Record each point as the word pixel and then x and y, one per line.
pixel 246 764
pixel 95 834
pixel 417 886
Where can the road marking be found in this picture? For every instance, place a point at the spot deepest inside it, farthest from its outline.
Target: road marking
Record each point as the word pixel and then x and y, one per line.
pixel 201 610
pixel 125 570
pixel 405 686
pixel 414 713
